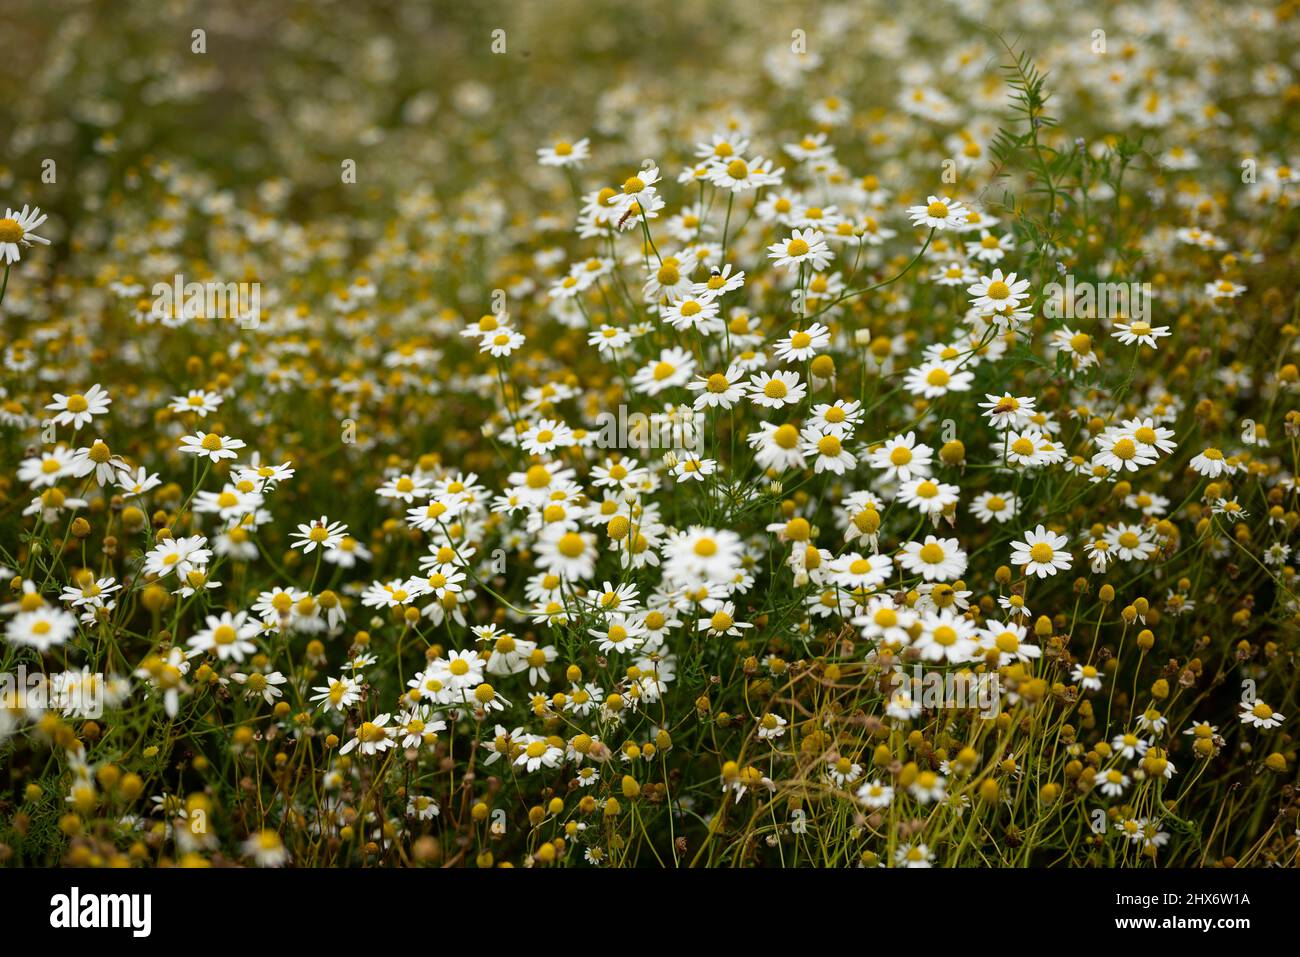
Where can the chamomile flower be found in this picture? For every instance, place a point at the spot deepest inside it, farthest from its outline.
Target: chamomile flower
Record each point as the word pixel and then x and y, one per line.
pixel 321 533
pixel 1209 463
pixel 1087 676
pixel 998 292
pixel 771 726
pixel 17 232
pixel 908 854
pixel 266 849
pixel 211 446
pixel 928 496
pixel 197 401
pixel 538 753
pixel 1259 715
pixel 827 452
pixel 1139 331
pixel 885 622
pixel 1008 411
pixel 938 213
pixel 902 458
pixel 40 628
pixel 1007 641
pixel 994 507
pixel 934 379
pixel 946 637
pixel 935 559
pixel 77 409
pixel 802 246
pixel 339 694
pixel 875 795
pixel 802 344
pixel 227 636
pixel 718 390
pixel 565 153
pixel 1041 552
pixel 371 737
pixel 775 390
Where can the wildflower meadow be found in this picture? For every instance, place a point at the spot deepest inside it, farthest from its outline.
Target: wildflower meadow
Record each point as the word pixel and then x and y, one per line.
pixel 702 435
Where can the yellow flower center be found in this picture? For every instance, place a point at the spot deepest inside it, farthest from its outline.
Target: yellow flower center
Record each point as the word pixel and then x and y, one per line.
pixel 1124 449
pixel 718 383
pixel 786 436
pixel 828 445
pixel 931 553
pixel 571 545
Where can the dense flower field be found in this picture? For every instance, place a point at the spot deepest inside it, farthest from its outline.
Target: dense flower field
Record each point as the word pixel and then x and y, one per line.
pixel 726 435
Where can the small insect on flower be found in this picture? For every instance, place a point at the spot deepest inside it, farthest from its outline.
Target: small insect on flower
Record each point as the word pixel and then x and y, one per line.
pixel 322 532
